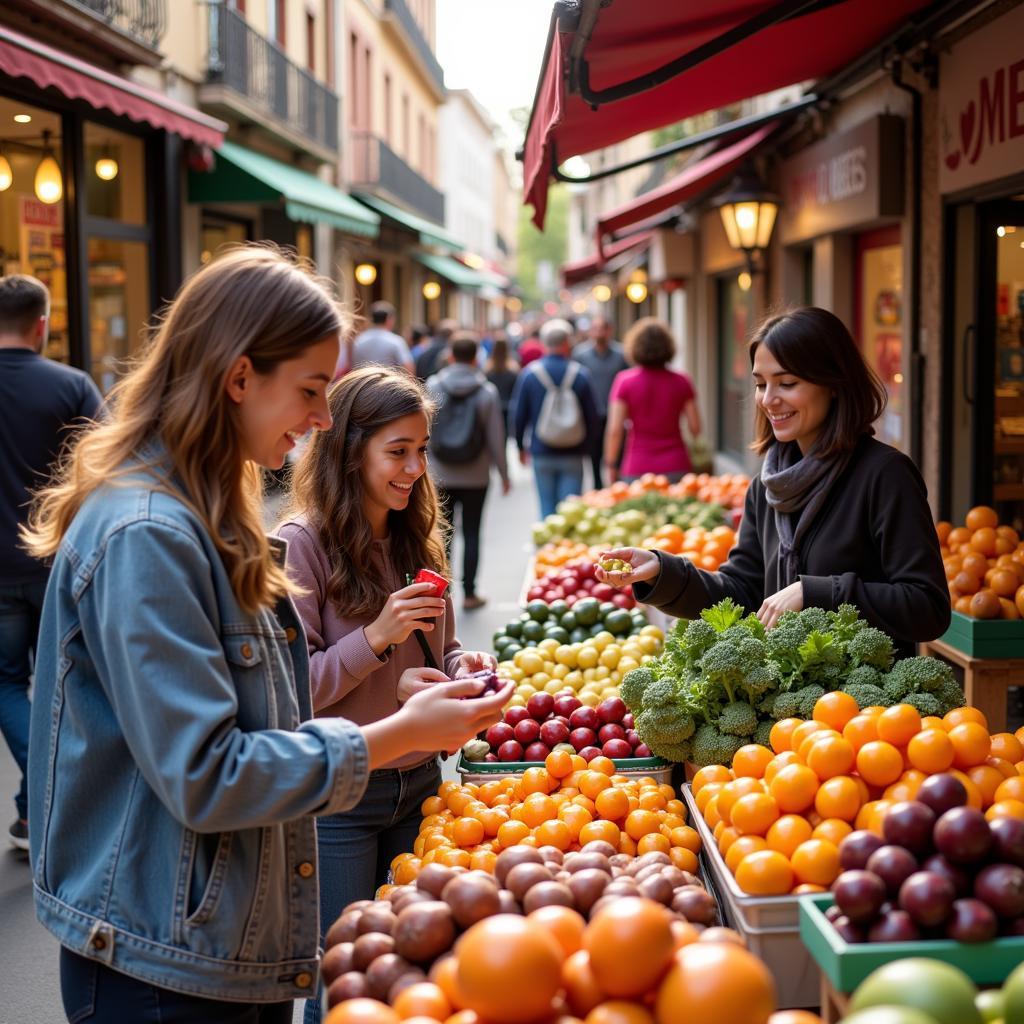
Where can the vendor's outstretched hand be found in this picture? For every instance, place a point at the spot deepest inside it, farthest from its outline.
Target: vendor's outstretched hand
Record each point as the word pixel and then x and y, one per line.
pixel 640 565
pixel 789 599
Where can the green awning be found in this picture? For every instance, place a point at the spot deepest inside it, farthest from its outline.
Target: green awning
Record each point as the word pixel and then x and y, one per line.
pixel 451 270
pixel 244 176
pixel 429 232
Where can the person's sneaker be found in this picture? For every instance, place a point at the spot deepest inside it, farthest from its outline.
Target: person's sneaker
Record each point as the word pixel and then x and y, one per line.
pixel 473 601
pixel 18 833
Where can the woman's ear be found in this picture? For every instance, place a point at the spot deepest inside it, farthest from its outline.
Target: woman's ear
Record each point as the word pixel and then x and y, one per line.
pixel 238 379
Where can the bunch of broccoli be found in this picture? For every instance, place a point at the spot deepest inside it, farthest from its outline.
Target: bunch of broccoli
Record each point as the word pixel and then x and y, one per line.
pixel 723 681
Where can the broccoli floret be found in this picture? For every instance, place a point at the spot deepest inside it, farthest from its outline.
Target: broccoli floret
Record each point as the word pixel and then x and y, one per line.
pixel 786 705
pixel 633 685
pixel 870 646
pixel 687 643
pixel 760 681
pixel 926 703
pixel 722 665
pixel 661 693
pixel 866 695
pixel 763 732
pixel 667 724
pixel 808 697
pixel 949 695
pixel 736 634
pixel 917 674
pixel 752 650
pixel 672 751
pixel 713 747
pixel 896 687
pixel 738 719
pixel 783 644
pixel 815 620
pixel 845 621
pixel 864 675
pixel 722 615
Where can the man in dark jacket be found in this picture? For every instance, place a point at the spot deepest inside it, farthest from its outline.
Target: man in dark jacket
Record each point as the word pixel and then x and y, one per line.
pixel 40 401
pixel 557 461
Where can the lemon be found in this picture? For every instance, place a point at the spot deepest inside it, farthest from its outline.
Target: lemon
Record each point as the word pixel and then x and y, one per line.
pixel 603 639
pixel 653 631
pixel 648 644
pixel 587 657
pixel 615 676
pixel 526 690
pixel 632 650
pixel 590 699
pixel 560 671
pixel 548 646
pixel 515 701
pixel 602 672
pixel 517 675
pixel 588 674
pixel 554 686
pixel 647 659
pixel 565 655
pixel 574 679
pixel 529 661
pixel 626 665
pixel 538 679
pixel 610 656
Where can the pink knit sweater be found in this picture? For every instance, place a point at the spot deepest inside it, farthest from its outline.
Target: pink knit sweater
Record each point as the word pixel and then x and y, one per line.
pixel 347 679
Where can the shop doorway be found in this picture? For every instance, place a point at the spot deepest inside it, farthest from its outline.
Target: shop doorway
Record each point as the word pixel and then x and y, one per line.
pixel 986 430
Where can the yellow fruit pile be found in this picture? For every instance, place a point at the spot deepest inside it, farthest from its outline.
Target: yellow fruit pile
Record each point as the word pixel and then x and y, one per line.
pixel 592 669
pixel 779 815
pixel 565 804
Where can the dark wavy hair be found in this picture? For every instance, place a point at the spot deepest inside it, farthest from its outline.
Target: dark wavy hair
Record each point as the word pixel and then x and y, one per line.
pixel 327 487
pixel 815 345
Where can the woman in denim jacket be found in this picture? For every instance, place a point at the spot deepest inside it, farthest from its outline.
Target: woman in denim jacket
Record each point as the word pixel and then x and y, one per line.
pixel 175 766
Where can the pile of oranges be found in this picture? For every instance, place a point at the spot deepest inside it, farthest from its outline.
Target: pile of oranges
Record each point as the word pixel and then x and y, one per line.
pixel 632 964
pixel 707 549
pixel 984 563
pixel 779 815
pixel 566 804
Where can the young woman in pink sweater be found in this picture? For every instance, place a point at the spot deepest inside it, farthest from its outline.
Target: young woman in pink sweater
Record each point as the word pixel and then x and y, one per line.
pixel 364 514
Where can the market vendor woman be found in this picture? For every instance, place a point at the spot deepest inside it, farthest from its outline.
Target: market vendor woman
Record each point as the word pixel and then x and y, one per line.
pixel 835 516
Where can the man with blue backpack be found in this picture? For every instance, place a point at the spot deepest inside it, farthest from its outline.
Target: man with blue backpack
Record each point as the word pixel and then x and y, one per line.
pixel 554 401
pixel 467 438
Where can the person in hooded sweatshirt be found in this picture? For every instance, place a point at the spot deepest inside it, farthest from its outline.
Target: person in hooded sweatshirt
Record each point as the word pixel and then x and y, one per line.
pixel 461 471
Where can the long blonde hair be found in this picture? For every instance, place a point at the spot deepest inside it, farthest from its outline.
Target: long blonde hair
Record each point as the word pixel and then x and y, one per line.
pixel 254 300
pixel 327 488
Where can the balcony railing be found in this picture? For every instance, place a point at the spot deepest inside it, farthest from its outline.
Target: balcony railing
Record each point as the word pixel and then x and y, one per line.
pixel 412 29
pixel 256 68
pixel 375 164
pixel 143 21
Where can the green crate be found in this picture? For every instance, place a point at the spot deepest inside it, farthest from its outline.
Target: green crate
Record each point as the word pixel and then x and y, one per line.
pixel 656 767
pixel 986 638
pixel 848 964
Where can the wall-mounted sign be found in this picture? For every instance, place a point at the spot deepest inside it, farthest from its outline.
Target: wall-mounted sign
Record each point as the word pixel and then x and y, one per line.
pixel 844 181
pixel 981 105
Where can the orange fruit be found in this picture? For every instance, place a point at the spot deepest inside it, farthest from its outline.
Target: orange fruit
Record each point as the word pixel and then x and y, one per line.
pixel 832 829
pixel 794 788
pixel 965 714
pixel 861 729
pixel 899 724
pixel 554 833
pixel 971 744
pixel 602 764
pixel 509 969
pixel 1007 746
pixel 709 773
pixel 838 797
pixel 778 762
pixel 619 1011
pixel 593 782
pixel 406 872
pixel 732 791
pixel 931 751
pixel 751 760
pixel 685 860
pixel 816 861
pixel 879 763
pixel 630 943
pixel 788 833
pixel 1005 809
pixel 612 803
pixel 707 791
pixel 871 814
pixel 511 833
pixel 686 837
pixel 582 992
pixel 835 709
pixel 653 842
pixel 558 764
pixel 802 731
pixel 467 832
pixel 754 814
pixel 424 999
pixel 743 847
pixel 781 734
pixel 764 873
pixel 983 540
pixel 607 831
pixel 640 823
pixel 362 1011
pixel 981 517
pixel 987 779
pixel 564 923
pixel 1010 789
pixel 575 817
pixel 831 756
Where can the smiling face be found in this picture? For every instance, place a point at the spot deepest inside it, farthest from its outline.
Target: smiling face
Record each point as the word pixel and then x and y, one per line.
pixel 394 459
pixel 796 408
pixel 277 408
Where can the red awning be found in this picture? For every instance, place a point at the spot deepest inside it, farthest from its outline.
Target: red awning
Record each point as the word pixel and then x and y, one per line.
pixel 631 38
pixel 696 178
pixel 22 57
pixel 580 270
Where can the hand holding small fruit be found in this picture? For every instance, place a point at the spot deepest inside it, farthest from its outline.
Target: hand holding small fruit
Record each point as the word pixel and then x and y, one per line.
pixel 444 719
pixel 416 680
pixel 410 608
pixel 622 566
pixel 475 661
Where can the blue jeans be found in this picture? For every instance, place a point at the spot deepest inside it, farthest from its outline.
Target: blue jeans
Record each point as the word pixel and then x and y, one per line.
pixel 20 607
pixel 557 477
pixel 356 848
pixel 94 993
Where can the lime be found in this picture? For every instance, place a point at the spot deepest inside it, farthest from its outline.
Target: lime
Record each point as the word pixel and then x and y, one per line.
pixel 937 989
pixel 557 633
pixel 587 611
pixel 514 629
pixel 511 651
pixel 557 609
pixel 568 621
pixel 578 635
pixel 538 611
pixel 618 622
pixel 597 628
pixel 605 607
pixel 501 641
pixel 533 630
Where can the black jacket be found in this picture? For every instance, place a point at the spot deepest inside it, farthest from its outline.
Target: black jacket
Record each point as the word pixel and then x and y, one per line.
pixel 873 545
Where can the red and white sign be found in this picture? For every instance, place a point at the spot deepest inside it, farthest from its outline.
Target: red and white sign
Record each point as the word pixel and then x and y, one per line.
pixel 981 105
pixel 40 215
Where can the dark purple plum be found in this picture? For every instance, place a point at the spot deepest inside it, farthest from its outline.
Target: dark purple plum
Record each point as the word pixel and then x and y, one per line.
pixel 896 926
pixel 833 912
pixel 536 751
pixel 962 879
pixel 971 921
pixel 927 897
pixel 848 931
pixel 1001 886
pixel 510 751
pixel 909 824
pixel 582 737
pixel 893 865
pixel 859 895
pixel 857 847
pixel 942 793
pixel 962 835
pixel 1008 840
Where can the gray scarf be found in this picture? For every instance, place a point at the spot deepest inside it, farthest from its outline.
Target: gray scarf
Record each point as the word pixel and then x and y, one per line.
pixel 792 483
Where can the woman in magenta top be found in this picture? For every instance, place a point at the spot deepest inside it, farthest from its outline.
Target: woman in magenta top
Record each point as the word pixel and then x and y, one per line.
pixel 648 402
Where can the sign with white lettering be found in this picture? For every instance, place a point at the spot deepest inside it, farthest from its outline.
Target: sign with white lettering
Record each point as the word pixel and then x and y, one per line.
pixel 844 181
pixel 981 105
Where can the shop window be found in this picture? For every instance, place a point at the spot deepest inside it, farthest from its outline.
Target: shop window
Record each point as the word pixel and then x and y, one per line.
pixel 115 178
pixel 879 323
pixel 735 386
pixel 119 305
pixel 32 232
pixel 219 233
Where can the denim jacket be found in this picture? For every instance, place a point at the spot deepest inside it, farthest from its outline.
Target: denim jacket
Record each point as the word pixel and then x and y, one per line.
pixel 174 762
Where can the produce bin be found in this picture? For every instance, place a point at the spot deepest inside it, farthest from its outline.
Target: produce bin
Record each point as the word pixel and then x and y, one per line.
pixel 847 964
pixel 770 925
pixel 485 771
pixel 986 638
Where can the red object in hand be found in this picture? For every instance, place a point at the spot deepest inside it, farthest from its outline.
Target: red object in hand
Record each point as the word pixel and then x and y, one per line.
pixel 428 576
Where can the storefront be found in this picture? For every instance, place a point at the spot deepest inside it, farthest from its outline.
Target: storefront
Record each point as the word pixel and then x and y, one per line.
pixel 90 201
pixel 981 178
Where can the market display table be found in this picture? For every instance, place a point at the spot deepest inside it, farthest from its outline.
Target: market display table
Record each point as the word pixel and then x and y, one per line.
pixel 835 1005
pixel 986 680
